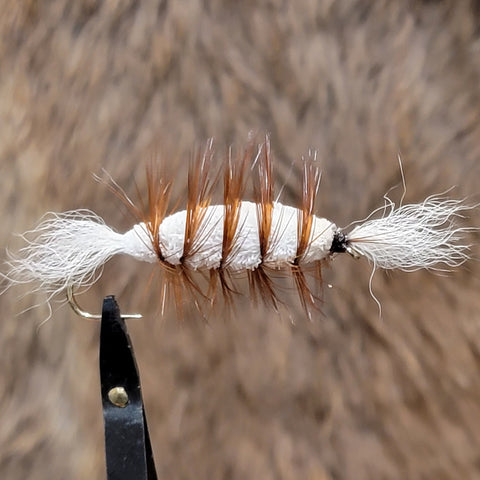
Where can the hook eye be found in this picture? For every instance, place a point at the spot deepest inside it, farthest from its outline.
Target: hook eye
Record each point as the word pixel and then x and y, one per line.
pixel 90 316
pixel 352 252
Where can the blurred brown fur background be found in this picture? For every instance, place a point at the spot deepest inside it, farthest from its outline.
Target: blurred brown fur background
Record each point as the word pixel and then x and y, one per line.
pixel 90 84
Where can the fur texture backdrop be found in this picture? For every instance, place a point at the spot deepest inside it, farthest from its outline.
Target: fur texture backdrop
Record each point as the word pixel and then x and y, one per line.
pixel 108 84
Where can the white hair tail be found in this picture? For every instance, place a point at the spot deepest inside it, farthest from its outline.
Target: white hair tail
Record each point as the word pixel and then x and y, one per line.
pixel 425 235
pixel 65 249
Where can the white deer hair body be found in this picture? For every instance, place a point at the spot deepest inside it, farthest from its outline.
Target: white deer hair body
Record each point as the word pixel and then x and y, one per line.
pixel 247 256
pixel 238 236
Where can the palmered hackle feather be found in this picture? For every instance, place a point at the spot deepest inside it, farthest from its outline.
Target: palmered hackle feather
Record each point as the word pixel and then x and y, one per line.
pixel 259 280
pixel 234 184
pixel 310 185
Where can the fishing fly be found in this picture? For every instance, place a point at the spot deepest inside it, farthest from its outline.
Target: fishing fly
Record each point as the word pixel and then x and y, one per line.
pixel 258 237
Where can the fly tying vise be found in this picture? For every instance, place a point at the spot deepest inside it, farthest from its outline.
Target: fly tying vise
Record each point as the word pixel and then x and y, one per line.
pixel 256 238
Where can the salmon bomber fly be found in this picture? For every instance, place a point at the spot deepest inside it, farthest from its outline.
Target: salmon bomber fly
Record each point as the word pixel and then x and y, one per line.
pixel 258 238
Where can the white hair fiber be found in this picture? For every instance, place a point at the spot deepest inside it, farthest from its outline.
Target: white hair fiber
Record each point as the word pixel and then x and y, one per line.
pixel 68 248
pixel 411 237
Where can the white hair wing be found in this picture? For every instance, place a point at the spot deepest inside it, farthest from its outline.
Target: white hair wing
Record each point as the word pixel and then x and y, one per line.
pixel 411 237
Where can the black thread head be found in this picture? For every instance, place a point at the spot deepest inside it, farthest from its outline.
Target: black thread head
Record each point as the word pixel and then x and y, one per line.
pixel 339 243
